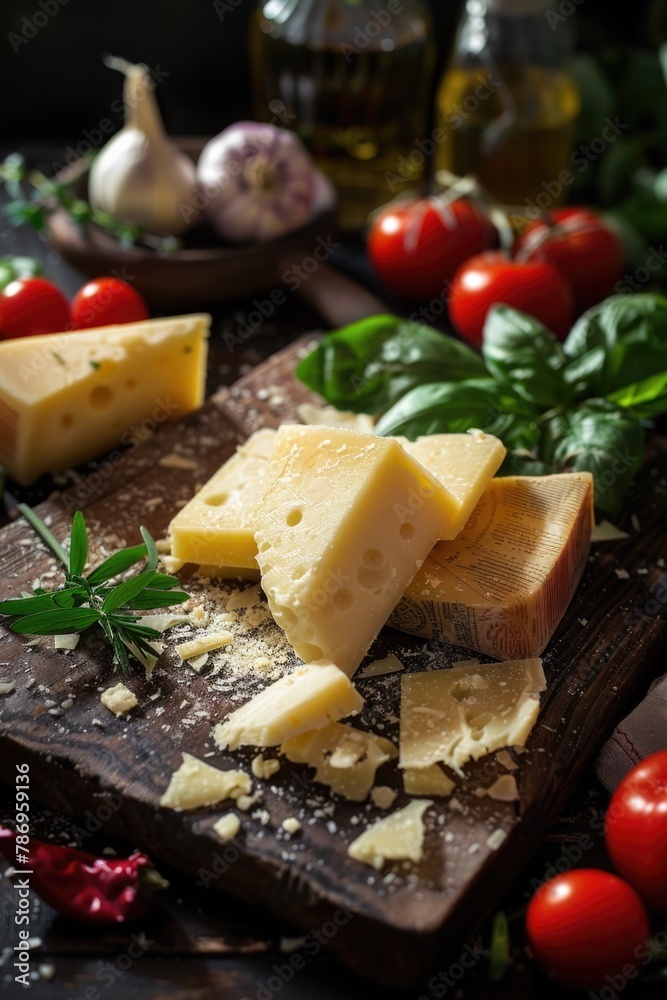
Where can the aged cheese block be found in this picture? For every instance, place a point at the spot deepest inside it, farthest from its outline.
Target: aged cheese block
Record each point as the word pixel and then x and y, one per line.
pixel 346 521
pixel 306 699
pixel 459 714
pixel 503 585
pixel 217 527
pixel 463 463
pixel 68 397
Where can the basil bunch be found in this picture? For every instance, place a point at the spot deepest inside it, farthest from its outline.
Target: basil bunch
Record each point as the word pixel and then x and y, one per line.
pixel 577 406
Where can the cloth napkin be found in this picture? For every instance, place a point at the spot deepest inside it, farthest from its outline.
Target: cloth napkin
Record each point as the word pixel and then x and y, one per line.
pixel 641 733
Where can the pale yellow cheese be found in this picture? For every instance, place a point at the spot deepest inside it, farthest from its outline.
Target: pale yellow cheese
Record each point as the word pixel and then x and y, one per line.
pixel 217 526
pixel 397 837
pixel 459 714
pixel 119 699
pixel 197 784
pixel 344 758
pixel 68 397
pixel 227 827
pixel 379 668
pixel 306 699
pixel 503 585
pixel 430 780
pixel 344 525
pixel 331 416
pixel 204 644
pixel 463 463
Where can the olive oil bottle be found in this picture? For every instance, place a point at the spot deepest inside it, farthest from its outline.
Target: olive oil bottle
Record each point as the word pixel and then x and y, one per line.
pixel 506 104
pixel 352 78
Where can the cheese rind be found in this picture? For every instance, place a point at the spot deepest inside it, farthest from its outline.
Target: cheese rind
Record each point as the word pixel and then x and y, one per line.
pixel 460 714
pixel 397 837
pixel 344 525
pixel 217 526
pixel 463 463
pixel 197 784
pixel 306 699
pixel 504 584
pixel 344 758
pixel 68 397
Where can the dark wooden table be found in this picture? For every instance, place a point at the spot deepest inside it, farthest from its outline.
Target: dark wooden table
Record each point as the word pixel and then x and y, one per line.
pixel 197 944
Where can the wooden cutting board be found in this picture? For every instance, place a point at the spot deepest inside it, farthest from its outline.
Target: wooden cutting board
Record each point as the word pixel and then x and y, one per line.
pixel 392 929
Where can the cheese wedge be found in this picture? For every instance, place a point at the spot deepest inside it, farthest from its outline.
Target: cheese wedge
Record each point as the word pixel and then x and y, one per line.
pixel 398 837
pixel 344 758
pixel 68 397
pixel 503 585
pixel 196 784
pixel 345 523
pixel 307 699
pixel 460 714
pixel 217 526
pixel 463 463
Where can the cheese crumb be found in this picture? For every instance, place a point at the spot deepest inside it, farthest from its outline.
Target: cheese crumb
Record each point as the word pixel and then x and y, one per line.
pixel 397 837
pixel 119 699
pixel 207 643
pixel 430 780
pixel 291 825
pixel 264 768
pixel 197 784
pixel 6 687
pixel 378 668
pixel 383 796
pixel 496 839
pixel 503 789
pixel 175 461
pixel 227 826
pixel 246 802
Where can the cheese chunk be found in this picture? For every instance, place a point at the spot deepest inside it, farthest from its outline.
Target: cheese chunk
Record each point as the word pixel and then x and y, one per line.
pixel 68 397
pixel 197 784
pixel 119 699
pixel 204 644
pixel 430 780
pixel 463 463
pixel 331 416
pixel 227 826
pixel 217 527
pixel 397 837
pixel 307 699
pixel 503 585
pixel 344 758
pixel 463 713
pixel 343 527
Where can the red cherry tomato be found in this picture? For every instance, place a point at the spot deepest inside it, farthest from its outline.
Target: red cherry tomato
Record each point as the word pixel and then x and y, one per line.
pixel 105 301
pixel 584 926
pixel 582 246
pixel 636 829
pixel 30 306
pixel 492 277
pixel 416 246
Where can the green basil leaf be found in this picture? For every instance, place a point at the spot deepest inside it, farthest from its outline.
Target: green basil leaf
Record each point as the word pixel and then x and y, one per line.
pixel 601 439
pixel 57 622
pixel 78 547
pixel 115 564
pixel 646 399
pixel 622 340
pixel 517 463
pixel 41 602
pixel 125 594
pixel 451 407
pixel 521 352
pixel 368 365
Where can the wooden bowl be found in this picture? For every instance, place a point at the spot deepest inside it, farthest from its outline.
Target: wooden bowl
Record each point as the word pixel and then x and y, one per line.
pixel 203 270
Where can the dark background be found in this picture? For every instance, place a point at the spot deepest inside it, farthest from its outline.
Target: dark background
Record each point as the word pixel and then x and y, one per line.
pixel 55 85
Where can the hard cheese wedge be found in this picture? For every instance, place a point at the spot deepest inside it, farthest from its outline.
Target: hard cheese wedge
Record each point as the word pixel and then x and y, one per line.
pixel 503 585
pixel 307 699
pixel 217 526
pixel 346 522
pixel 463 463
pixel 68 397
pixel 463 713
pixel 397 837
pixel 196 784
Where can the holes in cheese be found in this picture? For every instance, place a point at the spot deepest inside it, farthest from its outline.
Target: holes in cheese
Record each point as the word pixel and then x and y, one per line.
pixel 503 585
pixel 197 784
pixel 68 397
pixel 217 526
pixel 460 714
pixel 355 494
pixel 306 699
pixel 344 758
pixel 397 837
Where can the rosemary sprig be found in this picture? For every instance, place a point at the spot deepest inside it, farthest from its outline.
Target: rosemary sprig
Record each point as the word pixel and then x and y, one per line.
pixel 83 601
pixel 46 193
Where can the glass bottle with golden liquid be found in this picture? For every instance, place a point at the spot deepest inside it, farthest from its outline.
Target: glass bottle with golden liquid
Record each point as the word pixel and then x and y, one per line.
pixel 506 103
pixel 352 78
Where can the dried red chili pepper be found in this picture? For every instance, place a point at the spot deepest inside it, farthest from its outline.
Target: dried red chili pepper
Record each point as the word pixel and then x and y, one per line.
pixel 83 886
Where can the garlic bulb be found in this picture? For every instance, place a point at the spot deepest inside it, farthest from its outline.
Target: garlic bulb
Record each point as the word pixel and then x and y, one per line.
pixel 140 176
